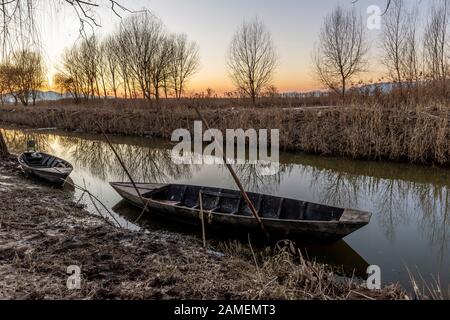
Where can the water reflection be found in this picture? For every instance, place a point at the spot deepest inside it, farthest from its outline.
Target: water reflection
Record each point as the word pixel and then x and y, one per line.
pixel 17 140
pixel 253 180
pixel 146 163
pixel 395 202
pixel 410 203
pixel 396 196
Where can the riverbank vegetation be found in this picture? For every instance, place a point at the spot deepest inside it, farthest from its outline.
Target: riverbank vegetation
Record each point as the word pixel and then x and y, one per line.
pixel 418 133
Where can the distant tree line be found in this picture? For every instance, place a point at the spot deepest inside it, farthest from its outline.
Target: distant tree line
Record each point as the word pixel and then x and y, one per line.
pixel 141 59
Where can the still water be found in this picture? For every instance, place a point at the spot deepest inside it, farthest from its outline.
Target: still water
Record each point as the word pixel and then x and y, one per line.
pixel 410 227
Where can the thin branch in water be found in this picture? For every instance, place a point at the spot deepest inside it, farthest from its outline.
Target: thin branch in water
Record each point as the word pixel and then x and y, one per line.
pixel 93 197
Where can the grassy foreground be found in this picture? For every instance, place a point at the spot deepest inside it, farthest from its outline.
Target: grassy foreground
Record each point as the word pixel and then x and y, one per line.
pixel 42 232
pixel 419 134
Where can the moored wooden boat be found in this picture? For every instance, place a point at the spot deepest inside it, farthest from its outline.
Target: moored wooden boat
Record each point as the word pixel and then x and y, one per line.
pixel 226 209
pixel 44 166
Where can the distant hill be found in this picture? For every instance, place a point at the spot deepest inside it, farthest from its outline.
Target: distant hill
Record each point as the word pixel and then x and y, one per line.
pixel 384 87
pixel 296 94
pixel 41 96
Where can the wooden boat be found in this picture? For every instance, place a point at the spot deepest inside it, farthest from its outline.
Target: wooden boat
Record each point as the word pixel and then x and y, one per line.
pixel 45 166
pixel 226 209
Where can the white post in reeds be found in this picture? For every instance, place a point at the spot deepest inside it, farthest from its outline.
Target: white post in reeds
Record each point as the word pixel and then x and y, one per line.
pixel 202 218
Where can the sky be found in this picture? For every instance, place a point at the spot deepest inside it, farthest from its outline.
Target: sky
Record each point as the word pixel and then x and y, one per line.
pixel 294 25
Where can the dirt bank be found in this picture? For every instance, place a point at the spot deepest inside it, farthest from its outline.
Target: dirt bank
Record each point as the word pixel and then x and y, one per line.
pixel 42 232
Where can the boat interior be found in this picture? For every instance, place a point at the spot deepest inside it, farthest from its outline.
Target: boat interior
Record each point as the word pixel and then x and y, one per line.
pixel 231 202
pixel 40 160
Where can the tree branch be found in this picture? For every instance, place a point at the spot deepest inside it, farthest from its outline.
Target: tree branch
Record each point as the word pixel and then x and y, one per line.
pixel 388 4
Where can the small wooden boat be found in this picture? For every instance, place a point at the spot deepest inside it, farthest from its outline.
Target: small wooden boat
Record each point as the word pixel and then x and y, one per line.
pixel 226 209
pixel 45 166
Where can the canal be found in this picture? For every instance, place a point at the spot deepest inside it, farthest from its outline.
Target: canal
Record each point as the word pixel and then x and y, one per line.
pixel 409 230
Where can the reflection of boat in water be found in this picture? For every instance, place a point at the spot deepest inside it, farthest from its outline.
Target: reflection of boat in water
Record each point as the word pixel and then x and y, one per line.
pixel 339 254
pixel 155 223
pixel 283 218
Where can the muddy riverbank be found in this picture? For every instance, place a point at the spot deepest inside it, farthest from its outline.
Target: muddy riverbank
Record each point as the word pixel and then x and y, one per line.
pixel 43 232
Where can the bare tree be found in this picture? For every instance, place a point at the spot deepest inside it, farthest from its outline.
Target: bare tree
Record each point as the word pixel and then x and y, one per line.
pixel 8 79
pixel 112 63
pixel 388 5
pixel 139 59
pixel 18 28
pixel 252 58
pixel 395 34
pixel 102 69
pixel 27 75
pixel 69 78
pixel 342 51
pixel 184 64
pixel 4 90
pixel 37 74
pixel 160 64
pixel 436 44
pixel 139 39
pixel 410 63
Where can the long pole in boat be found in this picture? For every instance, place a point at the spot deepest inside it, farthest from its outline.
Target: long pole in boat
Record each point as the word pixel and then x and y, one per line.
pixel 236 179
pixel 144 203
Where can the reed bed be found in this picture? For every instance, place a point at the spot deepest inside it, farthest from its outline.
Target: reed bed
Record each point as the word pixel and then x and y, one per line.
pixel 282 271
pixel 370 130
pixel 428 290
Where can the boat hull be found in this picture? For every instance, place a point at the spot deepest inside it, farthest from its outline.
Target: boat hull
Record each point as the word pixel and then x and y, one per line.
pixel 53 175
pixel 237 225
pixel 48 175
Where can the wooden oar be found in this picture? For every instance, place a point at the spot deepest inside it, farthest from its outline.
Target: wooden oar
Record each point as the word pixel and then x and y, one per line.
pixel 144 203
pixel 236 178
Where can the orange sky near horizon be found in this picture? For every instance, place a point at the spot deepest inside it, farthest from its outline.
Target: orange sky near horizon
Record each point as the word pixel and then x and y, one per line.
pixel 294 25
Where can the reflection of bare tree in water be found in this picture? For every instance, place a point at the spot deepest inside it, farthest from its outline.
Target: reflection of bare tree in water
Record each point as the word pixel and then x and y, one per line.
pixel 395 202
pixel 146 163
pixel 435 221
pixel 401 201
pixel 17 140
pixel 252 178
pixel 391 203
pixel 154 164
pixel 345 190
pixel 89 155
pixel 335 188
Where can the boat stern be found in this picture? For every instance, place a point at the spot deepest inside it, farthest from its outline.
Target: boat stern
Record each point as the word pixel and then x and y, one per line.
pixel 355 217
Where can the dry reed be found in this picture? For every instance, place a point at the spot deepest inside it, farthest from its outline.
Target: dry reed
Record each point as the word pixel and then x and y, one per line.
pixel 369 130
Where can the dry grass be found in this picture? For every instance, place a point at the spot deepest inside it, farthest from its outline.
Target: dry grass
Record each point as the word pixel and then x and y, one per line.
pixel 371 130
pixel 285 273
pixel 424 290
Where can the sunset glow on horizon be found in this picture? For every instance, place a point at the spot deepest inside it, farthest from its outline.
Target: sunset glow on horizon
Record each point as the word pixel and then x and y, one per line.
pixel 294 25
